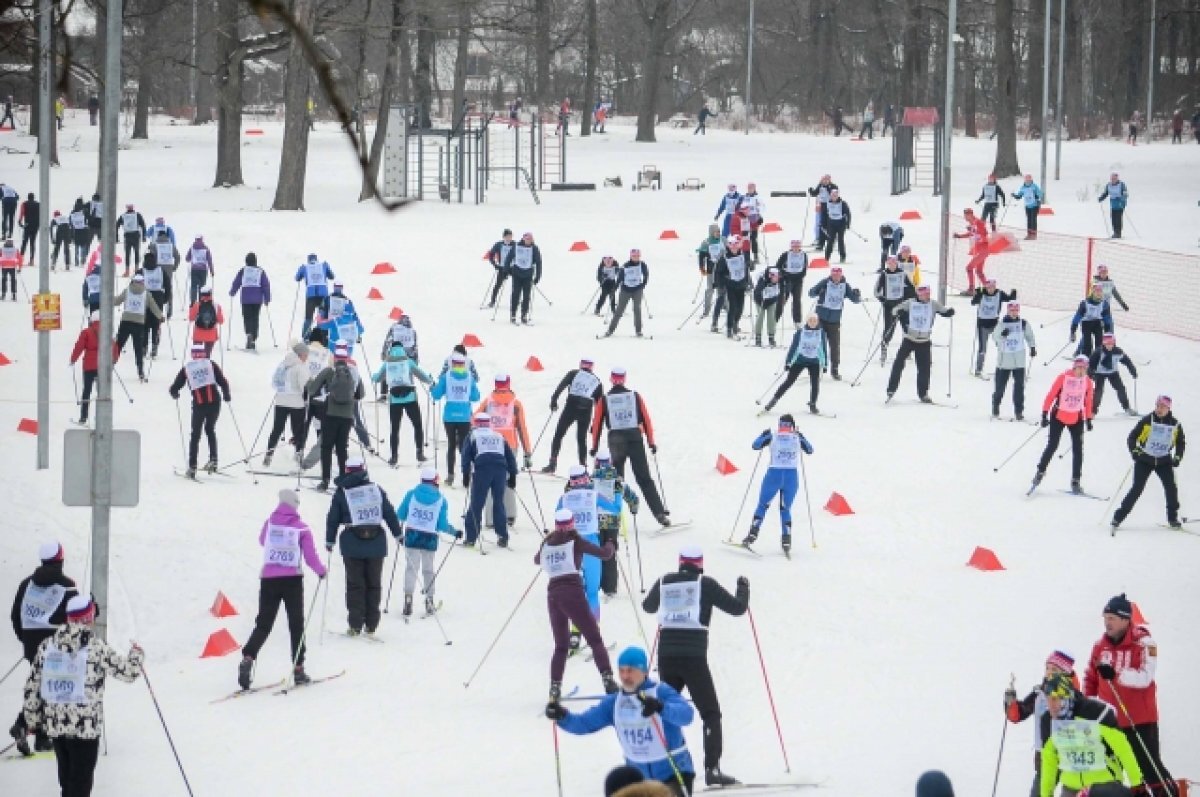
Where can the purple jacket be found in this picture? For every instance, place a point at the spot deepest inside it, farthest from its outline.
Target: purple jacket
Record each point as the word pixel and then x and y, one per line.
pixel 250 295
pixel 208 261
pixel 285 515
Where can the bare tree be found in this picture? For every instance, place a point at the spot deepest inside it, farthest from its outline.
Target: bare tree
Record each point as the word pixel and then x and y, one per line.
pixel 664 20
pixel 461 55
pixel 422 74
pixel 206 61
pixel 1006 163
pixel 589 76
pixel 293 159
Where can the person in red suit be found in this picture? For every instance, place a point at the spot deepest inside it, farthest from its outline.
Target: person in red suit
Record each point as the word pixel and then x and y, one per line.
pixel 977 231
pixel 1120 671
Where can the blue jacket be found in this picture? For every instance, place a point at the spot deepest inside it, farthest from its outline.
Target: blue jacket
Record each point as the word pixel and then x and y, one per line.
pixel 456 411
pixel 352 545
pixel 153 231
pixel 826 314
pixel 397 355
pixel 425 494
pixel 472 459
pixel 1081 312
pixel 793 354
pixel 1117 195
pixel 676 712
pixel 766 437
pixel 1031 193
pixel 315 290
pixel 736 199
pixel 92 299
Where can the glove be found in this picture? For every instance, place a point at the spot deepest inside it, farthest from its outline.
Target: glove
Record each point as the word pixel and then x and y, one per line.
pixel 1004 332
pixel 653 448
pixel 805 446
pixel 512 482
pixel 1045 420
pixel 591 452
pixel 554 406
pixel 1176 460
pixel 1134 453
pixel 1010 697
pixel 174 394
pixel 1088 424
pixel 228 398
pixel 1033 352
pixel 1072 338
pixel 458 535
pixel 651 705
pixel 528 461
pixel 856 295
pixel 466 480
pixel 329 547
pixel 1106 671
pixel 949 312
pixel 743 583
pixel 556 711
pixel 765 433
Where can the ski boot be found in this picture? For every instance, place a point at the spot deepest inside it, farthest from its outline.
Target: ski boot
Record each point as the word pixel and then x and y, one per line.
pixel 812 407
pixel 713 776
pixel 512 319
pixel 610 685
pixel 573 642
pixel 407 610
pixel 370 632
pixel 1175 524
pixel 450 480
pixel 713 328
pixel 663 519
pixel 1076 488
pixel 393 460
pixel 421 454
pixel 211 465
pixel 502 542
pixel 190 472
pixel 925 399
pixel 550 466
pixel 964 293
pixel 771 341
pixel 245 672
pixel 1131 411
pixel 729 334
pixel 889 396
pixel 17 732
pixel 995 410
pixel 770 404
pixel 299 676
pixel 1114 524
pixel 752 537
pixel 154 352
pixel 525 320
pixel 142 377
pixel 1019 417
pixel 323 485
pixel 836 376
pixel 353 632
pixel 786 540
pixel 267 459
pixel 430 606
pixel 758 341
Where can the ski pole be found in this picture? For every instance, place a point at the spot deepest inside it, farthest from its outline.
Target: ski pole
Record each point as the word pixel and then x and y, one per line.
pixel 689 316
pixel 529 514
pixel 498 300
pixel 649 312
pixel 1170 787
pixel 767 681
pixel 1117 491
pixel 812 531
pixel 1058 320
pixel 950 359
pixel 242 440
pixel 1000 755
pixel 1104 219
pixel 874 322
pixel 662 738
pixel 75 384
pixel 387 602
pixel 121 382
pixel 263 425
pixel 557 759
pixel 544 296
pixel 325 602
pixel 1018 448
pixel 295 302
pixel 871 356
pixel 271 326
pixel 179 420
pixel 170 337
pixel 1060 351
pixel 467 683
pixel 661 488
pixel 545 426
pixel 770 387
pixel 632 602
pixel 166 730
pixel 537 500
pixel 862 238
pixel 429 587
pixel 654 648
pixel 589 301
pixel 12 669
pixel 1135 397
pixel 637 541
pixel 699 285
pixel 487 290
pixel 745 495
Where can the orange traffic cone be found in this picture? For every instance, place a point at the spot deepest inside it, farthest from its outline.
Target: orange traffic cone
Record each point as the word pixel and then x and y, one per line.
pixel 837 505
pixel 374 294
pixel 984 559
pixel 533 364
pixel 383 268
pixel 579 246
pixel 220 643
pixel 471 342
pixel 28 425
pixel 222 607
pixel 724 466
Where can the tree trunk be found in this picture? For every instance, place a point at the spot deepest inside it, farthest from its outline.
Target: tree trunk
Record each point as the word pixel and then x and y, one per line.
pixel 457 111
pixel 1073 75
pixel 206 61
pixel 967 81
pixel 1006 164
pixel 422 80
pixel 541 47
pixel 591 24
pixel 293 160
pixel 911 80
pixel 391 76
pixel 229 58
pixel 658 28
pixel 1034 33
pixel 35 104
pixel 146 68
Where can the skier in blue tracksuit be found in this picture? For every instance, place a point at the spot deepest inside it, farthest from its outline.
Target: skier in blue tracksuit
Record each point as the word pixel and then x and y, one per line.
pixel 423 515
pixel 494 464
pixel 1117 195
pixel 643 713
pixel 396 373
pixel 612 495
pixel 458 384
pixel 781 477
pixel 582 498
pixel 91 289
pixel 340 319
pixel 160 226
pixel 728 206
pixel 316 275
pixel 1032 195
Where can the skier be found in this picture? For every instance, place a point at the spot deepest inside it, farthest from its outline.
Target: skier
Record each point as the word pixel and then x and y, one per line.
pixel 992 197
pixel 1156 444
pixel 780 479
pixel 1118 196
pixel 467 362
pixel 634 276
pixel 1034 705
pixel 90 289
pixel 423 510
pixel 289 380
pixel 80 236
pixel 507 415
pixel 39 608
pixel 316 274
pixel 158 287
pixel 807 353
pixel 977 232
pixel 402 333
pixel 837 222
pixel 868 122
pixel 581 499
pixel 917 317
pixel 889 121
pixel 732 279
pixel 337 316
pixel 1102 367
pixel 166 257
pixel 344 390
pixel 613 495
pixel 489 455
pixel 9 198
pixel 208 318
pixel 831 294
pixel 87 345
pixel 1012 335
pixel 608 277
pixel 161 226
pixel 988 300
pixel 625 414
pixel 822 192
pixel 1083 747
pixel 497 256
pixel 133 228
pixel 910 263
pixel 1135 121
pixel 793 264
pixel 60 235
pixel 64 694
pixel 360 509
pixel 684 602
pixel 200 258
pixel 10 264
pixel 524 262
pixel 207 383
pixel 727 207
pixel 1032 196
pixel 702 120
pixel 753 206
pixel 30 222
pixel 95 218
pixel 319 358
pixel 1102 278
pixel 892 287
pixel 397 372
pixel 1070 397
pixel 1095 316
pixel 708 254
pixel 583 389
pixel 644 714
pixel 766 296
pixel 890 236
pixel 138 304
pixel 285 539
pixel 255 286
pixel 460 389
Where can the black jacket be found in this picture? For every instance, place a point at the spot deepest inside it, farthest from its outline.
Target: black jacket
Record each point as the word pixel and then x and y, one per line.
pixel 577 402
pixel 359 541
pixel 681 642
pixel 46 575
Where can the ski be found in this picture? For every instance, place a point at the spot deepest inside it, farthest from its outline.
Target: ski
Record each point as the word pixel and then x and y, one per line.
pixel 1085 495
pixel 743 546
pixel 1185 531
pixel 19 757
pixel 983 377
pixel 250 691
pixel 285 690
pixel 281 475
pixel 918 402
pixel 183 475
pixel 675 526
pixel 762 786
pixel 363 636
pixel 437 608
pixel 626 337
pixel 590 655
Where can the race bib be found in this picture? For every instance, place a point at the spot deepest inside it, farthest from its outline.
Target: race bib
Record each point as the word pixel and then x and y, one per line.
pixel 633 276
pixel 523 257
pixel 622 410
pixel 582 504
pixel 458 388
pixel 559 560
pixel 584 384
pixel 488 442
pixel 154 278
pixel 314 274
pixel 347 332
pixel 637 735
pixel 64 676
pixel 403 335
pixel 282 546
pixel 1079 744
pixel 399 374
pixel 135 303
pixel 680 605
pixel 199 257
pixel 797 263
pixel 785 451
pixel 93 283
pixel 279 379
pixel 337 306
pixel 1161 438
pixel 736 266
pixel 989 306
pixel 1092 310
pixel 835 295
pixel 502 415
pixel 129 222
pixel 164 254
pixel 714 252
pixel 39 604
pixel 78 220
pixel 366 505
pixel 423 517
pixel 1073 391
pixel 1014 340
pixel 770 292
pixel 920 317
pixel 252 277
pixel 810 343
pixel 199 374
pixel 893 285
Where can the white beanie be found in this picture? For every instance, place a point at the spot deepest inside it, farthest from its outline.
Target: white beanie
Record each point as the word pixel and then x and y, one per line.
pixel 289 497
pixel 50 552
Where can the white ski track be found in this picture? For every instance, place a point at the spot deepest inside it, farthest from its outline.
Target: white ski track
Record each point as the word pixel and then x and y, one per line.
pixel 313 682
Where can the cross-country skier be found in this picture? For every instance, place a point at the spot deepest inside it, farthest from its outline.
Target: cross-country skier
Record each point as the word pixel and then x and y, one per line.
pixel 489 456
pixel 807 353
pixel 608 278
pixel 201 260
pixel 460 390
pixel 581 498
pixel 633 276
pixel 95 218
pixel 822 192
pixel 344 389
pixel 625 414
pixel 992 197
pixel 39 608
pixel 988 300
pixel 583 389
pixel 255 286
pixel 10 264
pixel 207 383
pixel 1117 195
pixel 9 204
pixel 166 257
pixel 891 289
pixel 423 513
pixel 1156 444
pixel 87 345
pixel 403 334
pixel 890 236
pixel 707 254
pixel 360 510
pixel 287 544
pixel 80 237
pixel 917 317
pixel 1031 194
pixel 793 265
pixel 1034 705
pixel 64 694
pixel 613 495
pixel 766 296
pixel 288 381
pixel 133 227
pixel 1102 367
pixel 754 206
pixel 732 280
pixel 1070 399
pixel 831 294
pixel 338 317
pixel 60 236
pixel 977 232
pixel 316 275
pixel 1105 281
pixel 1135 121
pixel 837 222
pixel 1012 335
pixel 684 602
pixel 497 256
pixel 30 222
pixel 207 318
pixel 90 290
pixel 1083 747
pixel 910 263
pixel 137 304
pixel 160 226
pixel 781 478
pixel 397 372
pixel 727 207
pixel 524 263
pixel 1095 316
pixel 507 415
pixel 158 286
pixel 644 714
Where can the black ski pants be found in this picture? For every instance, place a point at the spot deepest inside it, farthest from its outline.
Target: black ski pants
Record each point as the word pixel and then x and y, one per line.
pixel 456 435
pixel 1118 217
pixel 335 435
pixel 921 353
pixel 735 302
pixel 835 232
pixel 522 292
pixel 131 329
pixel 989 213
pixel 66 250
pixel 1056 430
pixel 983 334
pixel 396 413
pixel 133 250
pixel 793 373
pixel 501 275
pixel 29 238
pixel 85 400
pixel 197 279
pixel 204 417
pixel 272 592
pixel 76 760
pixel 581 417
pixel 364 591
pixel 1091 337
pixel 8 276
pixel 1144 741
pixel 889 319
pixel 1031 220
pixel 1141 473
pixel 282 416
pixel 250 315
pixel 1001 380
pixel 833 336
pixel 628 445
pixel 692 672
pixel 10 214
pixel 793 288
pixel 1115 379
pixel 608 290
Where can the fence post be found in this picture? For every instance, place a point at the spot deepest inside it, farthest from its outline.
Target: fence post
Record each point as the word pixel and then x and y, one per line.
pixel 1091 244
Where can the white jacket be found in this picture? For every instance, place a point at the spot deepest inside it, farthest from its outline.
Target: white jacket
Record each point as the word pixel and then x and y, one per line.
pixel 289 380
pixel 1012 360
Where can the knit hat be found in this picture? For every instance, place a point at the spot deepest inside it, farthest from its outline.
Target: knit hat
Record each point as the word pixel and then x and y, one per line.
pixel 1062 660
pixel 635 251
pixel 251 259
pixel 1014 307
pixel 586 363
pixel 618 375
pixel 634 657
pixel 602 455
pixel 564 520
pixel 338 285
pixel 786 421
pixel 691 555
pixel 795 242
pixel 81 609
pixel 312 257
pixel 429 476
pixel 207 289
pixel 1109 336
pixel 341 350
pixel 50 552
pixel 355 464
pixel 934 784
pixel 577 476
pixel 300 348
pixel 482 419
pixel 289 497
pixel 138 278
pixel 1120 606
pixel 503 380
pixel 458 359
pixel 1079 360
pixel 621 777
pixel 198 350
pixel 1164 399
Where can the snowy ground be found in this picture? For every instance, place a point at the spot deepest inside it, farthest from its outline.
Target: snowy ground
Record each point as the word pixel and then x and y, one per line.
pixel 887 655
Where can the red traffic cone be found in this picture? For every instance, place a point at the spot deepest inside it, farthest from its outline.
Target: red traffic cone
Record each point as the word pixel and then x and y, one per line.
pixel 984 559
pixel 487 255
pixel 772 226
pixel 837 505
pixel 579 246
pixel 910 215
pixel 533 364
pixel 724 466
pixel 28 425
pixel 220 643
pixel 383 268
pixel 395 314
pixel 668 235
pixel 818 262
pixel 374 294
pixel 4 360
pixel 470 341
pixel 1139 618
pixel 1045 210
pixel 254 131
pixel 222 607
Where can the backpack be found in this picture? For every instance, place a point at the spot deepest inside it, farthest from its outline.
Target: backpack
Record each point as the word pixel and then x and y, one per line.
pixel 206 316
pixel 341 387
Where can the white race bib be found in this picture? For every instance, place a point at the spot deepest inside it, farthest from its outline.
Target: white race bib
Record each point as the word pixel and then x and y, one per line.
pixel 893 285
pixel 488 442
pixel 403 335
pixel 337 306
pixel 348 332
pixel 680 605
pixel 199 257
pixel 633 276
pixel 523 257
pixel 769 292
pixel 1079 744
pixel 638 737
pixel 1162 436
pixel 714 252
pixel 1092 310
pixel 1014 340
pixel 785 451
pixel 314 274
pixel 399 373
pixel 78 220
pixel 252 277
pixel 93 283
pixel 622 410
pixel 582 504
pixel 154 278
pixel 279 379
pixel 835 295
pixel 797 263
pixel 736 266
pixel 559 560
pixel 199 374
pixel 423 517
pixel 39 604
pixel 810 343
pixel 920 317
pixel 164 254
pixel 135 303
pixel 64 676
pixel 458 388
pixel 366 505
pixel 282 546
pixel 989 306
pixel 129 222
pixel 584 384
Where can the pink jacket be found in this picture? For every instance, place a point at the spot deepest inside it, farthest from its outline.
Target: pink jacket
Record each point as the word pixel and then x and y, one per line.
pixel 285 515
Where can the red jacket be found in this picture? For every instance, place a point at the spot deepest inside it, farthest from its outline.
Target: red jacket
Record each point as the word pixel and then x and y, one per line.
pixel 1063 413
pixel 1134 658
pixel 205 335
pixel 977 231
pixel 88 345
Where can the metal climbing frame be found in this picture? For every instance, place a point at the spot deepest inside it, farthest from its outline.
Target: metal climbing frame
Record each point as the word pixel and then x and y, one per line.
pixel 917 152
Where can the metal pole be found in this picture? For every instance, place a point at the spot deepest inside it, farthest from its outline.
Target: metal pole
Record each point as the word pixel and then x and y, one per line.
pixel 749 62
pixel 1150 73
pixel 45 133
pixel 1058 116
pixel 1045 97
pixel 948 134
pixel 102 438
